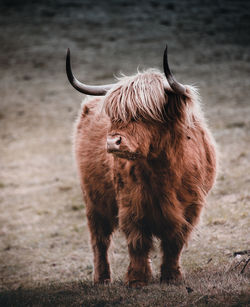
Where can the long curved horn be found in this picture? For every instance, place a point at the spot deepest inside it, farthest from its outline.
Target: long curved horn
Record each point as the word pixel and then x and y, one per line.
pixel 95 90
pixel 177 87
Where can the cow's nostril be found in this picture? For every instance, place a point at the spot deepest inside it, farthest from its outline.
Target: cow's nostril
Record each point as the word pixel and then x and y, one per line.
pixel 118 142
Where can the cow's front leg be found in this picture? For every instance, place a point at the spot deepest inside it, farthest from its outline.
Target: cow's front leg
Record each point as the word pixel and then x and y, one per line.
pixel 139 269
pixel 171 252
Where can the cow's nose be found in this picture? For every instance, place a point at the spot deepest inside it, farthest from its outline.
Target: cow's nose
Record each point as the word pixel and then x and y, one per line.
pixel 113 143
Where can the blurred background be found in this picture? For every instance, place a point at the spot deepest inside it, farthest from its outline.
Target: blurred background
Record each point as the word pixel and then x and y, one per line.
pixel 43 231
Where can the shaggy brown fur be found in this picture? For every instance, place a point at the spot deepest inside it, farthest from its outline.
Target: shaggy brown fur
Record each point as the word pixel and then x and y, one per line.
pixel 155 183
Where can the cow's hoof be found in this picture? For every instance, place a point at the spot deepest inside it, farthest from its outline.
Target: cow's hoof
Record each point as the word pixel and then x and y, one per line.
pixel 172 277
pixel 105 281
pixel 136 284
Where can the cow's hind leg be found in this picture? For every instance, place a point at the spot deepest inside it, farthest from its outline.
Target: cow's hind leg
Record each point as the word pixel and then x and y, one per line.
pixel 101 228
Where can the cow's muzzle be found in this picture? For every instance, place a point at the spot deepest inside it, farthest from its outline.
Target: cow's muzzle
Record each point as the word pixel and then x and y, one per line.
pixel 113 143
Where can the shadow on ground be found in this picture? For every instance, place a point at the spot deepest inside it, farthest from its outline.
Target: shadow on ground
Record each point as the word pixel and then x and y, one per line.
pixel 227 287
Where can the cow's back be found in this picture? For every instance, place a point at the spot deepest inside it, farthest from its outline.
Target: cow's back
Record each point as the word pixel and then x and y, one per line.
pixel 93 162
pixel 200 158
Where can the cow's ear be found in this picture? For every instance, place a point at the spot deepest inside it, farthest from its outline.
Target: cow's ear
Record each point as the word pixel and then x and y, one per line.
pixel 174 107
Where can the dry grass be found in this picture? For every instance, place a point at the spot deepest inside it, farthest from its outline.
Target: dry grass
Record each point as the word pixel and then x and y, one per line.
pixel 45 257
pixel 219 287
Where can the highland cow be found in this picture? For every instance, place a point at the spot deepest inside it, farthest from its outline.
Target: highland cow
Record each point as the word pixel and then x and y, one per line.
pixel 146 161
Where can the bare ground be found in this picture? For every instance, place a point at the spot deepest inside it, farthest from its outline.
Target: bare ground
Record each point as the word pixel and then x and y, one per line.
pixel 45 257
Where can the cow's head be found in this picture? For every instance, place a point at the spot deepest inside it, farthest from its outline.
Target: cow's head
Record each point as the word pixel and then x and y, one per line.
pixel 136 107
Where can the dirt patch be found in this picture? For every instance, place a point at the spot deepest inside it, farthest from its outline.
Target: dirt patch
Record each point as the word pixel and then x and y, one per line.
pixel 43 232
